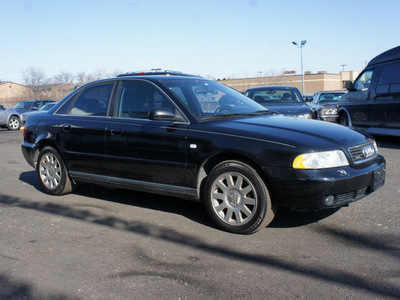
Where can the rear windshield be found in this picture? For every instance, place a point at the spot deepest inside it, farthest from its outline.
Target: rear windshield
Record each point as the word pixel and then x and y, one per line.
pixel 275 95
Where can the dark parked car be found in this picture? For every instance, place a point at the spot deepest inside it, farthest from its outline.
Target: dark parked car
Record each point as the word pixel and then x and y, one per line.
pixel 324 105
pixel 189 137
pixel 11 118
pixel 373 101
pixel 46 107
pixel 286 100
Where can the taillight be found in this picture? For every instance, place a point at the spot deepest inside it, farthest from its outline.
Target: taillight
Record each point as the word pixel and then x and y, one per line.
pixel 24 133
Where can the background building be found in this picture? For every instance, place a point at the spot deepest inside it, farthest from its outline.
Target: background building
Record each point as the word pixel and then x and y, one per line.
pixel 11 93
pixel 320 81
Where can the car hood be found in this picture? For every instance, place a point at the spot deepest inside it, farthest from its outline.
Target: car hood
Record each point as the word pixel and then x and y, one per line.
pixel 288 109
pixel 306 135
pixel 12 111
pixel 31 112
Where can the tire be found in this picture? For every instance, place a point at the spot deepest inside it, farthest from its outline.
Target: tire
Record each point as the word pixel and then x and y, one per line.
pixel 237 198
pixel 52 173
pixel 14 123
pixel 343 120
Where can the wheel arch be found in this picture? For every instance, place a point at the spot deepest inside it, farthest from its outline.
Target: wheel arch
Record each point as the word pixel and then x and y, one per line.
pixel 219 158
pixel 344 111
pixel 41 144
pixel 14 115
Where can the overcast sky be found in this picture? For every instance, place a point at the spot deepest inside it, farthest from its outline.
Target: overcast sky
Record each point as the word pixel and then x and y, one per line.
pixel 217 38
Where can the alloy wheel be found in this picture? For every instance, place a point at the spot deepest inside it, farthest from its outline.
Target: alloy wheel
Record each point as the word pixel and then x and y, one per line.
pixel 233 198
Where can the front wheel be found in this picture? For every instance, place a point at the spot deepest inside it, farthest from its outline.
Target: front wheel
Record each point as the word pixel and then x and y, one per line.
pixel 343 120
pixel 14 123
pixel 237 198
pixel 53 175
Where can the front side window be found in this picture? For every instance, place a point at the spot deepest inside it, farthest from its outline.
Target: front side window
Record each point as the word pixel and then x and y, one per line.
pixel 92 101
pixel 136 99
pixel 363 82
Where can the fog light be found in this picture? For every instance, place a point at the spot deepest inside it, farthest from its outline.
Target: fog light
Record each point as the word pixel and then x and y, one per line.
pixel 329 200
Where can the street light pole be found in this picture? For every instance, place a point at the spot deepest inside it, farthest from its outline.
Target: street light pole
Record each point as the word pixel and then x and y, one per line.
pixel 301 55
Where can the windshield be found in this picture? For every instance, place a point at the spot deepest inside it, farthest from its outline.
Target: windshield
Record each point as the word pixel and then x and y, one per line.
pixel 330 97
pixel 47 106
pixel 22 105
pixel 271 95
pixel 210 99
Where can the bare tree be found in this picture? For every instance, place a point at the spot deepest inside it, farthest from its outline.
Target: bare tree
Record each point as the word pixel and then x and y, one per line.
pixel 33 76
pixel 63 77
pixel 81 78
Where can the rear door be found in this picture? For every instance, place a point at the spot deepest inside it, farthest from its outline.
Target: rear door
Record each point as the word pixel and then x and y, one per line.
pixel 80 132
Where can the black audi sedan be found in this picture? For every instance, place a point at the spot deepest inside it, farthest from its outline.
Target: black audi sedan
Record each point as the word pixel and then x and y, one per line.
pixel 193 138
pixel 286 100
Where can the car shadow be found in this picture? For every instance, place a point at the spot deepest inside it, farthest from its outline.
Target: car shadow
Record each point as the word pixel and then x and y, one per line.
pixel 286 218
pixel 194 211
pixel 391 142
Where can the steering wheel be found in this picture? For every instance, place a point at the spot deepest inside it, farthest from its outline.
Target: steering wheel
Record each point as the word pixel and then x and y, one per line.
pixel 223 110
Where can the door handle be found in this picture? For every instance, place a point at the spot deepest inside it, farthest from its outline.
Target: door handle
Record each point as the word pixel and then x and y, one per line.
pixel 116 131
pixel 66 127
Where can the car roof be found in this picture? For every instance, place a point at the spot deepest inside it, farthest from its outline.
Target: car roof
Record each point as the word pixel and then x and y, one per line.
pixel 50 100
pixel 272 87
pixel 389 55
pixel 156 73
pixel 332 92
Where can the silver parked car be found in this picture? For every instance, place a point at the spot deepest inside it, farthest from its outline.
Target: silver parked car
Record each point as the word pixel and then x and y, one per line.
pixel 11 119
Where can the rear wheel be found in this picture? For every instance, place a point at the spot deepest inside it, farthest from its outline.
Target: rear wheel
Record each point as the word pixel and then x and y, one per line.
pixel 14 123
pixel 53 175
pixel 237 198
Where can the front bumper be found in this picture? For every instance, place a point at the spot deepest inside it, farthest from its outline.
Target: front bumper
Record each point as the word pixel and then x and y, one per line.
pixel 330 118
pixel 326 188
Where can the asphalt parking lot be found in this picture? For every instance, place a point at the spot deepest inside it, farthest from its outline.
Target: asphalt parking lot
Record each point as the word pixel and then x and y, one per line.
pixel 100 243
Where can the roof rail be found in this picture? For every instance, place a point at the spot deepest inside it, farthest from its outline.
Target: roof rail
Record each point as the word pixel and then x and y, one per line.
pixel 388 55
pixel 165 73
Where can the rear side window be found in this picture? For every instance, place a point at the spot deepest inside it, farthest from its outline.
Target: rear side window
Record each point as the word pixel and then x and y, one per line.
pixel 390 74
pixel 92 101
pixel 389 79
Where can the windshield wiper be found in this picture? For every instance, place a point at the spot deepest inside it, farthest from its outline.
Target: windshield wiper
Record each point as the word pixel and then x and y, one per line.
pixel 252 114
pixel 263 112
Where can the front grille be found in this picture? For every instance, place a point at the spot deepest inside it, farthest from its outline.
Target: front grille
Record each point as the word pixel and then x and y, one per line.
pixel 364 152
pixel 351 196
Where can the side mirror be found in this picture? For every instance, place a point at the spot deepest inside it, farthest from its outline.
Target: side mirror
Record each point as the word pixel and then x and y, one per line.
pixel 349 85
pixel 308 99
pixel 2 107
pixel 163 114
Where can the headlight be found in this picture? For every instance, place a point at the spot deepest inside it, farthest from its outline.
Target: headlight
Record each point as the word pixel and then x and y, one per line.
pixel 304 116
pixel 321 160
pixel 329 111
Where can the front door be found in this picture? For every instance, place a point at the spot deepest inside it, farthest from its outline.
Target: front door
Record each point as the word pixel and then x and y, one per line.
pixel 141 149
